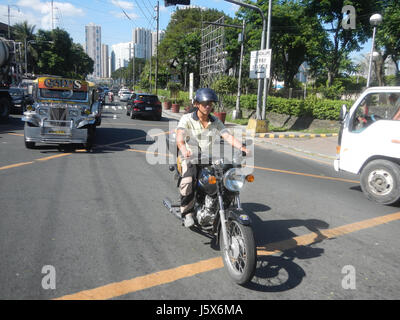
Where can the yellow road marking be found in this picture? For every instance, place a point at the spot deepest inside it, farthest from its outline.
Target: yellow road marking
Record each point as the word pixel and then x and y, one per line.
pixel 144 282
pixel 54 157
pixel 15 165
pixel 15 134
pixel 313 237
pixel 117 289
pixel 304 174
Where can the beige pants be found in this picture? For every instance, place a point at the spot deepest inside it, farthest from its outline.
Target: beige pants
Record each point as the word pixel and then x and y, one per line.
pixel 186 187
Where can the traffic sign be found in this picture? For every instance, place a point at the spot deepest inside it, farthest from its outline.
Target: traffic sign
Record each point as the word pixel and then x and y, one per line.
pixel 260 64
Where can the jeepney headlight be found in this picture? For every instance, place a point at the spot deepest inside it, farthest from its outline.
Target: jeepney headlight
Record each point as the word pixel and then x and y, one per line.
pixel 43 111
pixel 73 113
pixel 85 110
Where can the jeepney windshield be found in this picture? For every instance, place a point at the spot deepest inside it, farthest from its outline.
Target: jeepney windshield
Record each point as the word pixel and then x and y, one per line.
pixel 63 94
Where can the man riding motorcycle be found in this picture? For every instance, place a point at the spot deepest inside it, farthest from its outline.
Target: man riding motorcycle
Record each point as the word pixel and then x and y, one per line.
pixel 204 128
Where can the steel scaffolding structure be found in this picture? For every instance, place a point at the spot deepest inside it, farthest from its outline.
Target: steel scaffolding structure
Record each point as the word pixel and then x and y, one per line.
pixel 212 57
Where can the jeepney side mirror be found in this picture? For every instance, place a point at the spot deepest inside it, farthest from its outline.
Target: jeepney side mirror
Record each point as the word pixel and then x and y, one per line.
pixel 343 112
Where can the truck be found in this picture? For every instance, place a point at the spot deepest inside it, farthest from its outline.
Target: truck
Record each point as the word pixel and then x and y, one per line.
pixel 9 74
pixel 369 143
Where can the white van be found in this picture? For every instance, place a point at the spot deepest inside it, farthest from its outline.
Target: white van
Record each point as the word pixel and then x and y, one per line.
pixel 369 143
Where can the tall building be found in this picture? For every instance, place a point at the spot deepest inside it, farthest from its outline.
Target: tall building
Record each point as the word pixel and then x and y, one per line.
pixel 93 47
pixel 142 39
pixel 161 35
pixel 121 53
pixel 104 61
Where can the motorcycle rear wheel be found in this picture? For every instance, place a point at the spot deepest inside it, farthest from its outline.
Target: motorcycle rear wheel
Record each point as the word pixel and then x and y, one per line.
pixel 240 258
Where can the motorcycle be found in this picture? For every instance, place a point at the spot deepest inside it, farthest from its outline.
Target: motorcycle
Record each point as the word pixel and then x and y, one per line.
pixel 218 212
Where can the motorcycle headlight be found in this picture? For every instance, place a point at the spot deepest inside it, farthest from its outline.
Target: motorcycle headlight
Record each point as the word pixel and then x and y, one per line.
pixel 234 180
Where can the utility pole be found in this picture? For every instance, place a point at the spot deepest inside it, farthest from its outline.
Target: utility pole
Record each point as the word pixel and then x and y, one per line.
pixel 158 26
pixel 52 19
pixel 266 81
pixel 133 67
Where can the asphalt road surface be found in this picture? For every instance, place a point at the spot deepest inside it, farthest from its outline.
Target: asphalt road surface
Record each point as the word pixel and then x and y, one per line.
pixel 78 225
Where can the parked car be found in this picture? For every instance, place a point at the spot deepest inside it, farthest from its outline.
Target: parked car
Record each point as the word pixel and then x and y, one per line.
pixel 20 99
pixel 144 105
pixel 125 95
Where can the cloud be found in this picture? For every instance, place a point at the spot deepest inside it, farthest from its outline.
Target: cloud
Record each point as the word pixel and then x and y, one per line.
pixel 123 4
pixel 42 14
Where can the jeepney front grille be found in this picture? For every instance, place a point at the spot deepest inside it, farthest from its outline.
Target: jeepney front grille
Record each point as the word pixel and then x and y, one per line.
pixel 58 114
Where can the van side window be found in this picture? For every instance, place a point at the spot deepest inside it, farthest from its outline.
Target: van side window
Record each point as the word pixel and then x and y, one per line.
pixel 374 107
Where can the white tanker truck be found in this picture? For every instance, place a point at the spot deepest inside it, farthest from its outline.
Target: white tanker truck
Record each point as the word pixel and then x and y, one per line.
pixel 8 75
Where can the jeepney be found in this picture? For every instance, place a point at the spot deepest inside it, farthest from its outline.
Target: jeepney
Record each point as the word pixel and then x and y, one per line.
pixel 64 111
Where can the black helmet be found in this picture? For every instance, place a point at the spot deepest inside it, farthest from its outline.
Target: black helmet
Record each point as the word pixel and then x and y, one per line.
pixel 205 94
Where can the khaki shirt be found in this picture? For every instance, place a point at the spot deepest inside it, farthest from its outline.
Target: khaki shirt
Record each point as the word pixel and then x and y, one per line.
pixel 204 136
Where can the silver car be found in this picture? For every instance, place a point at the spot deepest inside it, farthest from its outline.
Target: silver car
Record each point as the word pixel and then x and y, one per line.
pixel 125 95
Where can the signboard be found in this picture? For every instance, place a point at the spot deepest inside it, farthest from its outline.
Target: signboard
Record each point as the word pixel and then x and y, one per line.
pixel 260 64
pixel 62 84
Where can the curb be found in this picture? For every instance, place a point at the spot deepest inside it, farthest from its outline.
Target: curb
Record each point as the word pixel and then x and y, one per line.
pixel 284 135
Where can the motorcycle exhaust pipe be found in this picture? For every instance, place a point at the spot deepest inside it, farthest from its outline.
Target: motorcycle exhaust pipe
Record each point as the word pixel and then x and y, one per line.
pixel 172 208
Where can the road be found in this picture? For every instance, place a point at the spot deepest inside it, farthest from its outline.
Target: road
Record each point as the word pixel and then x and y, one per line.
pixel 78 225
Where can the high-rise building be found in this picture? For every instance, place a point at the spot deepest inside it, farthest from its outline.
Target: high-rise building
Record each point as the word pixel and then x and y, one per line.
pixel 93 47
pixel 161 35
pixel 121 53
pixel 104 61
pixel 142 39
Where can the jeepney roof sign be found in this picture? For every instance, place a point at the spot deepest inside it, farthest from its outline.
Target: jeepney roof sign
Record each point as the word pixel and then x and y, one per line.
pixel 62 84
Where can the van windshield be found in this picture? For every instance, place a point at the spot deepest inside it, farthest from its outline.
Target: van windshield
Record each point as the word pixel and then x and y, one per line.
pixel 63 94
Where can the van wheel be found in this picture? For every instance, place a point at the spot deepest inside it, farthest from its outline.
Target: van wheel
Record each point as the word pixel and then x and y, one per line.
pixel 380 181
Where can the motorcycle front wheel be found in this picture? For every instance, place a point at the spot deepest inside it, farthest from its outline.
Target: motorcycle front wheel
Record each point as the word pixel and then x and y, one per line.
pixel 241 255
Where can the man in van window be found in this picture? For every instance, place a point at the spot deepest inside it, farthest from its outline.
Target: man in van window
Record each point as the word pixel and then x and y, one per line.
pixel 363 117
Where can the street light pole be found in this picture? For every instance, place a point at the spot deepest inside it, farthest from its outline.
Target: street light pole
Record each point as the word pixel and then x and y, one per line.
pixel 158 26
pixel 375 20
pixel 238 113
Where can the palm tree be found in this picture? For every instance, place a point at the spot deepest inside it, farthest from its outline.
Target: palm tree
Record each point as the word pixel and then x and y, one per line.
pixel 24 32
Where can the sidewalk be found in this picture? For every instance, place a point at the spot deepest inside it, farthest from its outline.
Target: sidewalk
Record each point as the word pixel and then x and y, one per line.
pixel 323 145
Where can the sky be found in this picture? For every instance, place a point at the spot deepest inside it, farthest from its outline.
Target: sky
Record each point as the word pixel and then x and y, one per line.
pixel 117 18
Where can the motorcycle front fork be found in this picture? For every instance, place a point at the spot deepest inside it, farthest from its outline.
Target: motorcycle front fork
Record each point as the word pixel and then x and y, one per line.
pixel 223 220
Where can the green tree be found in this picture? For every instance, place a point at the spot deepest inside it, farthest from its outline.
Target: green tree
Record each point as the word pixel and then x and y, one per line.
pixel 24 32
pixel 61 57
pixel 387 38
pixel 335 56
pixel 182 41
